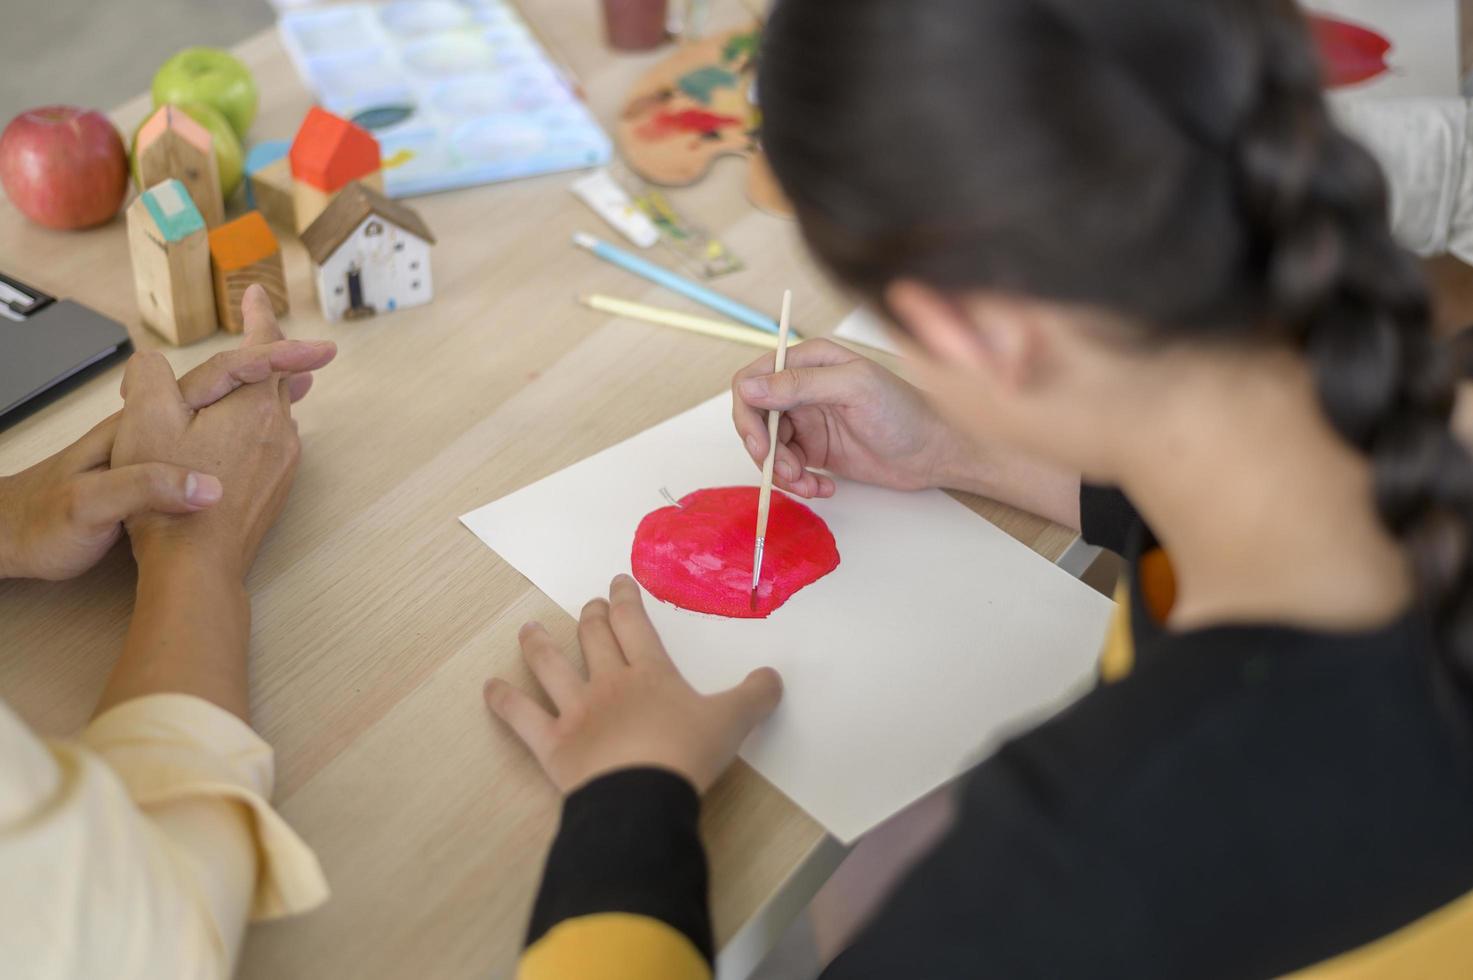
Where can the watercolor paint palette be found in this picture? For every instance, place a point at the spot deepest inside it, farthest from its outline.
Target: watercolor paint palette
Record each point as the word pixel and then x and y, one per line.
pixel 458 92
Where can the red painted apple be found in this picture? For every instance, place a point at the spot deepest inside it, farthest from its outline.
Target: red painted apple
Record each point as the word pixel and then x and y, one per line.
pixel 63 167
pixel 698 554
pixel 1349 53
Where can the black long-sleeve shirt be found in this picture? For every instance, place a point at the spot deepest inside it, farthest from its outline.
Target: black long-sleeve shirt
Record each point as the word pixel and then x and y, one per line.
pixel 1234 801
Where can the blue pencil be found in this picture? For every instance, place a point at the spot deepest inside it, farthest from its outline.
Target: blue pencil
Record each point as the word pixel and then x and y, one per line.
pixel 675 283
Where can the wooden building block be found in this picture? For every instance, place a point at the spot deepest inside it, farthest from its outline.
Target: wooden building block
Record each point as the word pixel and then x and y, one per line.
pixel 327 154
pixel 172 145
pixel 268 182
pixel 242 252
pixel 275 195
pixel 171 263
pixel 309 202
pixel 328 151
pixel 370 255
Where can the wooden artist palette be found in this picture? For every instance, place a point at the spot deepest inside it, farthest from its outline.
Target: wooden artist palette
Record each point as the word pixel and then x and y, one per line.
pixel 694 108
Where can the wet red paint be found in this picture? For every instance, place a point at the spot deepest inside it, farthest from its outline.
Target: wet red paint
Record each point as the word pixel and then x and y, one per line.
pixel 665 123
pixel 1350 53
pixel 698 556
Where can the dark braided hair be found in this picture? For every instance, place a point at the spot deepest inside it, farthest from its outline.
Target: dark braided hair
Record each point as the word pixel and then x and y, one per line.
pixel 1172 161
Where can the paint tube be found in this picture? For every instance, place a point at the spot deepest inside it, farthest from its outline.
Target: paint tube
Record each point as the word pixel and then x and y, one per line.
pixel 611 203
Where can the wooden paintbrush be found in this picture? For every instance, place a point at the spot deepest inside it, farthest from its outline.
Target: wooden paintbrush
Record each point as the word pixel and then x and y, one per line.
pixel 764 496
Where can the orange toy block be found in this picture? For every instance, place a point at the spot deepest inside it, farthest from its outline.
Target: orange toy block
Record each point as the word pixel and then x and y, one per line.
pixel 327 154
pixel 242 252
pixel 170 144
pixel 329 151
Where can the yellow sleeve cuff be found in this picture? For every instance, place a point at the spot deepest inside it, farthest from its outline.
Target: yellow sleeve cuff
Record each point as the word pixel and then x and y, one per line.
pixel 613 946
pixel 170 747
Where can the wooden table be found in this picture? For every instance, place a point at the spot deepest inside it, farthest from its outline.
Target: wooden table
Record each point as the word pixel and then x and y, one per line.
pixel 376 615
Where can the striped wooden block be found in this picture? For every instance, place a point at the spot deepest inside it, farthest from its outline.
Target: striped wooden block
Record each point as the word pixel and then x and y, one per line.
pixel 242 252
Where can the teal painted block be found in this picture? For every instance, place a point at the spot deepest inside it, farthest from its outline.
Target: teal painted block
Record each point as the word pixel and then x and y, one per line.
pixel 259 156
pixel 265 154
pixel 173 210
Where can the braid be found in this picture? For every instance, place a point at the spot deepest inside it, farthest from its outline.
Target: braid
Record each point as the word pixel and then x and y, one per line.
pixel 1336 283
pixel 1171 161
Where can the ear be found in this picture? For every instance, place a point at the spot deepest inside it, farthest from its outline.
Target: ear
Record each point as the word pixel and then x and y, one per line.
pixel 991 334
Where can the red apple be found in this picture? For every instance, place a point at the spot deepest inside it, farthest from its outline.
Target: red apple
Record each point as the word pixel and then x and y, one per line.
pixel 63 167
pixel 698 554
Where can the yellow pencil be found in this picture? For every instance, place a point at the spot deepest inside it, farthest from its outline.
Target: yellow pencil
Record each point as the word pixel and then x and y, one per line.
pixel 685 321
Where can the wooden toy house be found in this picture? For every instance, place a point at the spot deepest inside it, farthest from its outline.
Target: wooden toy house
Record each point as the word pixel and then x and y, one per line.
pixel 170 144
pixel 268 183
pixel 327 154
pixel 371 255
pixel 242 252
pixel 171 263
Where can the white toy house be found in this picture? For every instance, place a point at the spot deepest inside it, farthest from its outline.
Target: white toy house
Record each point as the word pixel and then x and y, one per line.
pixel 372 255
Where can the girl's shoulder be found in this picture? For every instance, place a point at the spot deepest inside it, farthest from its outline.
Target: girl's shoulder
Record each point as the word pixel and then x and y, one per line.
pixel 1260 799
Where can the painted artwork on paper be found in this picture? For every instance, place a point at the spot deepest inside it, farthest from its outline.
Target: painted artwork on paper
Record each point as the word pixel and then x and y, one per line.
pixel 1376 49
pixel 1349 53
pixel 697 554
pixel 871 719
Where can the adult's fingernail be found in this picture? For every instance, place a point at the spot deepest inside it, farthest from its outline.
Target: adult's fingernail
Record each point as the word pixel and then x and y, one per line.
pixel 319 344
pixel 752 445
pixel 202 489
pixel 785 470
pixel 755 387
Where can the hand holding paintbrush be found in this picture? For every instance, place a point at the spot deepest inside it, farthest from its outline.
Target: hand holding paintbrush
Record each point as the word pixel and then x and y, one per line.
pixel 764 496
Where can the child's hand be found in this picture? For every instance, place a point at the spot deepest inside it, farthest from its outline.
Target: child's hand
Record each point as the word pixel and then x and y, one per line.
pixel 848 415
pixel 633 709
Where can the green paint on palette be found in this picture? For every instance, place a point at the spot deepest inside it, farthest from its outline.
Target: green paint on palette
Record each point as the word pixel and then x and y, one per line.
pixel 383 116
pixel 740 46
pixel 700 83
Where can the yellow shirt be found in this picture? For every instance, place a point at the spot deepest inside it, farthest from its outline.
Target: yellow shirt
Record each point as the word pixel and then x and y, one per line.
pixel 141 848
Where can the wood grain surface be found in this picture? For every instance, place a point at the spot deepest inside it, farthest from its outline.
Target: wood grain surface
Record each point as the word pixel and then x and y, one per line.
pixel 377 617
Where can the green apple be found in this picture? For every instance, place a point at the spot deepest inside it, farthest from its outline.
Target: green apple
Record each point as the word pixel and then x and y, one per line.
pixel 213 77
pixel 229 156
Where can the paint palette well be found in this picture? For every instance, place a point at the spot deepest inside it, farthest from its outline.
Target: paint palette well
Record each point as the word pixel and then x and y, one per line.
pixel 458 92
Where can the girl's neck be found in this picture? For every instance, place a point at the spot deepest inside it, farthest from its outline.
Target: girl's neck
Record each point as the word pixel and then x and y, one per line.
pixel 1267 514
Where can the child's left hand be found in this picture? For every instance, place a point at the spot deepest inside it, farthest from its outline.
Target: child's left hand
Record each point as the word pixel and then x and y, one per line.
pixel 633 709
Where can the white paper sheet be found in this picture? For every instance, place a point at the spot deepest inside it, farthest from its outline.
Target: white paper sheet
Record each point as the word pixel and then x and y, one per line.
pixel 863 326
pixel 936 635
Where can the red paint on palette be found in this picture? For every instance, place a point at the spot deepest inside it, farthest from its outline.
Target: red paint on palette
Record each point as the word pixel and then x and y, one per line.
pixel 698 555
pixel 1349 53
pixel 664 124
